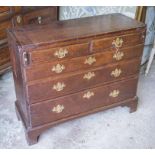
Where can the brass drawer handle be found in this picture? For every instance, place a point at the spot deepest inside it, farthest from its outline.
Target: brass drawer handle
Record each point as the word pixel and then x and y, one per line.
pixel 114 93
pixel 88 95
pixel 89 75
pixel 59 86
pixel 19 19
pixel 61 53
pixel 90 60
pixel 116 73
pixel 118 42
pixel 118 55
pixel 58 109
pixel 58 68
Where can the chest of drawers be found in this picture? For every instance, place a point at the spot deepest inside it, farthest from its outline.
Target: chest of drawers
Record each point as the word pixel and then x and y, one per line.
pixel 68 69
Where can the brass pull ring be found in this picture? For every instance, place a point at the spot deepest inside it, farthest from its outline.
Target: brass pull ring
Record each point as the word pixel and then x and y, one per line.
pixel 118 42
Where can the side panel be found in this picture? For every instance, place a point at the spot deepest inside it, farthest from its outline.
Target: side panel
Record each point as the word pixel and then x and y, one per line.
pixel 15 52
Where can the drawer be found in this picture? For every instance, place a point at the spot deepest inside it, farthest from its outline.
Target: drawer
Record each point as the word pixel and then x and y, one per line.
pixel 57 68
pixel 3 26
pixel 59 53
pixel 118 41
pixel 66 85
pixel 4 55
pixel 42 16
pixel 82 102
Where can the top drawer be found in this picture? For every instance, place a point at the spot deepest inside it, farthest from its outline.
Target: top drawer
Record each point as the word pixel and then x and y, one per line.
pixel 118 41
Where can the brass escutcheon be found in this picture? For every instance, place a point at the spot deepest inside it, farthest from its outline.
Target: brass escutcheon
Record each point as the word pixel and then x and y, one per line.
pixel 58 109
pixel 61 53
pixel 114 93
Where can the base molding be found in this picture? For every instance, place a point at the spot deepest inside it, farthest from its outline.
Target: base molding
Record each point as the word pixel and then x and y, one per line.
pixel 32 134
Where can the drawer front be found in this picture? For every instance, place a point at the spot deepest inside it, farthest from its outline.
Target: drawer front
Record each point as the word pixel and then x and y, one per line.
pixel 81 102
pixel 34 72
pixel 118 41
pixel 3 26
pixel 4 55
pixel 59 53
pixel 66 85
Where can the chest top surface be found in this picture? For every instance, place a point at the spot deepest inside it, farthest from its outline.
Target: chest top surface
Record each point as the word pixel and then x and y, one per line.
pixel 74 29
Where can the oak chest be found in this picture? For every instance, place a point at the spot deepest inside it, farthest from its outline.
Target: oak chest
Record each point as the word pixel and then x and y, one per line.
pixel 67 69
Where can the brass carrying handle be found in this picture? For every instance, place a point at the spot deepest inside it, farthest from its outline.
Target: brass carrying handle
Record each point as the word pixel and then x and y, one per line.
pixel 59 86
pixel 58 68
pixel 58 109
pixel 89 75
pixel 118 42
pixel 118 55
pixel 88 95
pixel 116 73
pixel 61 53
pixel 90 60
pixel 114 93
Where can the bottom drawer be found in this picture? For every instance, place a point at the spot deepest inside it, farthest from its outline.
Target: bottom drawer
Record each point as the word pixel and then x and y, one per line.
pixel 81 102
